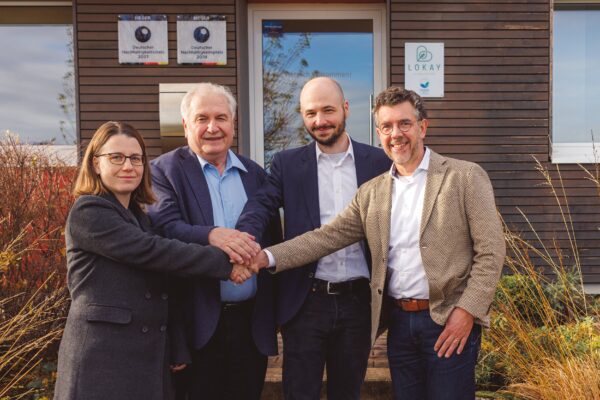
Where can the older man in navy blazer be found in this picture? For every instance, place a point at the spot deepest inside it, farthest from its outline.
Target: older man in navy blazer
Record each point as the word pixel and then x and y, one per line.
pixel 202 189
pixel 323 307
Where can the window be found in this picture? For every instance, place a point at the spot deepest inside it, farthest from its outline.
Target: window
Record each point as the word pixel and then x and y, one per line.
pixel 576 84
pixel 37 86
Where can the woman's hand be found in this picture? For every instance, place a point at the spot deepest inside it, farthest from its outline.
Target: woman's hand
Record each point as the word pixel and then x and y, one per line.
pixel 240 274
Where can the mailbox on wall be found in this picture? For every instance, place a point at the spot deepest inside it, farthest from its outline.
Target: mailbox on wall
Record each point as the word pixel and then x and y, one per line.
pixel 171 126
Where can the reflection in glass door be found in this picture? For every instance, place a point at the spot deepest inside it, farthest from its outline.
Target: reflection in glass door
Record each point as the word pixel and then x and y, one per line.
pixel 293 51
pixel 290 52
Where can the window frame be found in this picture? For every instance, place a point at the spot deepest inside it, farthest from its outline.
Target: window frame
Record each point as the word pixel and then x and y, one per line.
pixel 257 12
pixel 571 152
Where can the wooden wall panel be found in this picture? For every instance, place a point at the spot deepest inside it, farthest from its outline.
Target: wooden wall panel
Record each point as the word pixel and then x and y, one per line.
pixel 496 110
pixel 109 90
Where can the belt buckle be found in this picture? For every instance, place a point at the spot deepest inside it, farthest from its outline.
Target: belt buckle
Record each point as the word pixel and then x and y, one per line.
pixel 329 291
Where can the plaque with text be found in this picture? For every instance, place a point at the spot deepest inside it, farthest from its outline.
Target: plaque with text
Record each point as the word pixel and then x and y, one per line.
pixel 202 39
pixel 424 68
pixel 143 39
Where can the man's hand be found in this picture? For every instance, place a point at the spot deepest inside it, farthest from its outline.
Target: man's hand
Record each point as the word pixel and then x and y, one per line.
pixel 455 334
pixel 177 367
pixel 239 246
pixel 240 274
pixel 259 261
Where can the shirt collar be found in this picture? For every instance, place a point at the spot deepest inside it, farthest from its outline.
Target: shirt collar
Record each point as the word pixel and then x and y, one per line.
pixel 348 152
pixel 232 162
pixel 423 165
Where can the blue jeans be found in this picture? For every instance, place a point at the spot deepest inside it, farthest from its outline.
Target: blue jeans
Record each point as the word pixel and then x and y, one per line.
pixel 417 372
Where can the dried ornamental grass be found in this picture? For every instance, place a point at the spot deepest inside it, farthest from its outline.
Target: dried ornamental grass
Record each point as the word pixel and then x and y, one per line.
pixel 545 336
pixel 27 334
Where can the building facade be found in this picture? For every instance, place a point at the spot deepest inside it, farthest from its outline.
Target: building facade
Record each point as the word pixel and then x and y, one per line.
pixel 518 84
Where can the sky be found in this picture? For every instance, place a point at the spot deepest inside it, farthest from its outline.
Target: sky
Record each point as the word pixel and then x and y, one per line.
pixel 33 62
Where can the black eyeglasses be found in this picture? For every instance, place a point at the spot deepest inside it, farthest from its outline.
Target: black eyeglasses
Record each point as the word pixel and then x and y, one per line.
pixel 119 158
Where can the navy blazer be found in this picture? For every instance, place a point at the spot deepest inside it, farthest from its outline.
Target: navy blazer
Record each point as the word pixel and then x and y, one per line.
pixel 184 211
pixel 293 185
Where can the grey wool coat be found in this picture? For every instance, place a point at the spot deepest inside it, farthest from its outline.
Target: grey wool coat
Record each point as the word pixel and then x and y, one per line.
pixel 115 343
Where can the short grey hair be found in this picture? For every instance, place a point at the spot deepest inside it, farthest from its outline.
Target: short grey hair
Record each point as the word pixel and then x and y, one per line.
pixel 207 89
pixel 395 95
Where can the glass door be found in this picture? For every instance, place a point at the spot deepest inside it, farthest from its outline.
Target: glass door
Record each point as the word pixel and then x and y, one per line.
pixel 289 46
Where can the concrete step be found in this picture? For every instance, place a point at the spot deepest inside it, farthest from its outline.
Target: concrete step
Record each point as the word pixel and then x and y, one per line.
pixel 377 385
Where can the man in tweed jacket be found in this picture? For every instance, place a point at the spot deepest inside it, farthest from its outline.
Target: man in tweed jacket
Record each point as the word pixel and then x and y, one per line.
pixel 437 253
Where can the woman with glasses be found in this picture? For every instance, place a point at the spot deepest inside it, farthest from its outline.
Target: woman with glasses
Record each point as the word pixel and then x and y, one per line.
pixel 115 344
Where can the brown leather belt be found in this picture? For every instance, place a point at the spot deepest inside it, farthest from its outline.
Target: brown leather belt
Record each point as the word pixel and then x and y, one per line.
pixel 412 305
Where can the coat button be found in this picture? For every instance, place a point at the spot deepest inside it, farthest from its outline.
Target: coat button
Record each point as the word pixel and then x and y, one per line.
pixel 144 329
pixel 380 291
pixel 163 328
pixel 164 296
pixel 148 295
pixel 311 275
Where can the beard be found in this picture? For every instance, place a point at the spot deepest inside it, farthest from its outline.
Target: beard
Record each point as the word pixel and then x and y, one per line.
pixel 331 140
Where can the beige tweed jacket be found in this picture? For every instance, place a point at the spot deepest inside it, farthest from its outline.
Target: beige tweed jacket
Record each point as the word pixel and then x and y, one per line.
pixel 462 245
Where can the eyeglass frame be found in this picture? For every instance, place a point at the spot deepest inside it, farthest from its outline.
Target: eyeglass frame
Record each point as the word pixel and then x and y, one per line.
pixel 411 124
pixel 142 156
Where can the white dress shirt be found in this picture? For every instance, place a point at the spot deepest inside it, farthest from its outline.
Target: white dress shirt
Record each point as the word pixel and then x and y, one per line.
pixel 337 187
pixel 406 273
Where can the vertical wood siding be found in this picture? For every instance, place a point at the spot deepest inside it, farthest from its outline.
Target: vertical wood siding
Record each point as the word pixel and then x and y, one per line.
pixel 496 110
pixel 111 91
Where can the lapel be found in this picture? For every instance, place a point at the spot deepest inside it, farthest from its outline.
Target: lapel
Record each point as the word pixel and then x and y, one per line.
pixel 195 177
pixel 128 214
pixel 435 178
pixel 361 163
pixel 383 199
pixel 310 183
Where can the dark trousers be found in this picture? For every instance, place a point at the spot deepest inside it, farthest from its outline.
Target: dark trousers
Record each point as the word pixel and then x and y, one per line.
pixel 332 330
pixel 417 372
pixel 229 367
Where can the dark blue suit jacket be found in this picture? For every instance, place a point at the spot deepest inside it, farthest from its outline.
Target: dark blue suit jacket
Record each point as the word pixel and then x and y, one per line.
pixel 184 212
pixel 293 185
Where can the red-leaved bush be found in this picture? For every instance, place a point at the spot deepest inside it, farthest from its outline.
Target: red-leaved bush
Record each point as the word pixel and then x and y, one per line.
pixel 35 200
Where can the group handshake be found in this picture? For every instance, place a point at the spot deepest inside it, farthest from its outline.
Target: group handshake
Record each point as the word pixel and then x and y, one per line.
pixel 244 252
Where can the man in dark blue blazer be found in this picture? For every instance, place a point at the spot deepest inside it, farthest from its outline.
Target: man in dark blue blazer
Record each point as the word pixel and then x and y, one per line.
pixel 324 307
pixel 201 190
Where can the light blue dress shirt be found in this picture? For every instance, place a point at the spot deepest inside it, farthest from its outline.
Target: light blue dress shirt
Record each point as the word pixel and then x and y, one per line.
pixel 228 197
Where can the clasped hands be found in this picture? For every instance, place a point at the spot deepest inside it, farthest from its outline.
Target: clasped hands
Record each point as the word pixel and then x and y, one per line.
pixel 243 251
pixel 243 272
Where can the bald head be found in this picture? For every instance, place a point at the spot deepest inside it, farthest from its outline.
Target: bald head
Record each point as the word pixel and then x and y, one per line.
pixel 324 112
pixel 323 88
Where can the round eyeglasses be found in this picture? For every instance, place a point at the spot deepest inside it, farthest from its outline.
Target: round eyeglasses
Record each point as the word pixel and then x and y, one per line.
pixel 404 126
pixel 119 158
